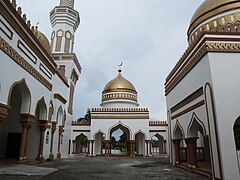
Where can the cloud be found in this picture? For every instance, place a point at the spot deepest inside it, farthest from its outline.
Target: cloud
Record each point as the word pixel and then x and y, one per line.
pixel 149 36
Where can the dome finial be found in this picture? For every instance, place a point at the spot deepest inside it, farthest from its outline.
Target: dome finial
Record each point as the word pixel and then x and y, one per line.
pixel 119 67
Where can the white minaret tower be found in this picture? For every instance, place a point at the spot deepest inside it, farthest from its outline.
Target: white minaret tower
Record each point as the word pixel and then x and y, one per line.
pixel 65 21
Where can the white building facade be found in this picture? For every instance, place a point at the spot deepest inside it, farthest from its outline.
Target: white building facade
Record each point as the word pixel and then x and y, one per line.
pixel 119 110
pixel 37 81
pixel 202 93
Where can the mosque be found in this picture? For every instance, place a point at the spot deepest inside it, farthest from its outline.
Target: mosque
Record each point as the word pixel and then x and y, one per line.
pixel 36 103
pixel 202 93
pixel 119 111
pixel 37 81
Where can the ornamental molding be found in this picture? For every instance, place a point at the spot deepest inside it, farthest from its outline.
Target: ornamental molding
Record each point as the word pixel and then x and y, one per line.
pixel 190 59
pixel 14 55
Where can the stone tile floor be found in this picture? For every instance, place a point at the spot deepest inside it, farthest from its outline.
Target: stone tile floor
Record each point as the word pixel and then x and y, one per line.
pixel 80 167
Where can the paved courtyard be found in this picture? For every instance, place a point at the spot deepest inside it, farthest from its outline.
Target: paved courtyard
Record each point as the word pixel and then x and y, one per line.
pixel 87 168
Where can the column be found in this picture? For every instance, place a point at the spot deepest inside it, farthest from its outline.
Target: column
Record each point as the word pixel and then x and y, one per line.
pixel 51 156
pixel 3 111
pixel 132 152
pixel 206 148
pixel 147 147
pixel 164 147
pixel 88 147
pixel 43 127
pixel 74 151
pixel 26 120
pixel 176 143
pixel 61 130
pixel 92 142
pixel 107 147
pixel 192 151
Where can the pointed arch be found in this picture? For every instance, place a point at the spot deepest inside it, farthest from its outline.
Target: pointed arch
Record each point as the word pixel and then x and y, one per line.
pixel 140 131
pixel 60 116
pixel 99 131
pixel 50 111
pixel 194 126
pixel 122 127
pixel 178 132
pixel 24 90
pixel 41 109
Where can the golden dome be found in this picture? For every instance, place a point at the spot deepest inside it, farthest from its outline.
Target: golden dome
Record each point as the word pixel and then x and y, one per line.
pixel 210 8
pixel 44 41
pixel 119 84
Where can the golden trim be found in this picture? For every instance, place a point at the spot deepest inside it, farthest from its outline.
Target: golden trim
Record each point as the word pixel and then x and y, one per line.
pixel 13 54
pixel 107 97
pixel 211 10
pixel 199 104
pixel 157 131
pixel 187 100
pixel 60 98
pixel 34 59
pixel 11 33
pixel 119 110
pixel 215 125
pixel 121 117
pixel 178 73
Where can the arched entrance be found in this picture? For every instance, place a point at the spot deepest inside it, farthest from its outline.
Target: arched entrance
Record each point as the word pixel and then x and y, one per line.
pixel 99 145
pixel 81 144
pixel 180 151
pixel 13 142
pixel 120 141
pixel 140 144
pixel 36 132
pixel 236 130
pixel 198 145
pixel 158 145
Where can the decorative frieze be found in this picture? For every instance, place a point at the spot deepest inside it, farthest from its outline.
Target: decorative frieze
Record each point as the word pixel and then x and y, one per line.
pixel 107 97
pixel 119 110
pixel 14 55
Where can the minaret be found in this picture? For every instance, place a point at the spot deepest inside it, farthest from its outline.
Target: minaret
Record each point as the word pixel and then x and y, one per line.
pixel 65 21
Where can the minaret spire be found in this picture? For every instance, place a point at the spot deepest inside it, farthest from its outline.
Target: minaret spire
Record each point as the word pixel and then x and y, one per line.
pixel 68 3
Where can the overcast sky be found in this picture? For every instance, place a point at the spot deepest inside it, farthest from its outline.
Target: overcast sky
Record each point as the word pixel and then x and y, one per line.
pixel 149 36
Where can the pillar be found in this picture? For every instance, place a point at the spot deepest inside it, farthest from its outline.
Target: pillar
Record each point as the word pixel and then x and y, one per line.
pixel 91 142
pixel 51 156
pixel 107 147
pixel 3 111
pixel 26 120
pixel 164 147
pixel 147 147
pixel 88 147
pixel 132 150
pixel 206 148
pixel 176 143
pixel 192 151
pixel 61 130
pixel 43 127
pixel 74 147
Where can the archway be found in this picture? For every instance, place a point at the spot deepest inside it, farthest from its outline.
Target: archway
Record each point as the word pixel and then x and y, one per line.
pixel 179 145
pixel 99 145
pixel 19 101
pixel 140 144
pixel 198 144
pixel 120 140
pixel 35 136
pixel 81 144
pixel 158 146
pixel 236 130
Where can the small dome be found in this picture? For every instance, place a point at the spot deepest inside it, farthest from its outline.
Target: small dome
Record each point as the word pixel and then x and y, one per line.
pixel 119 84
pixel 210 8
pixel 44 41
